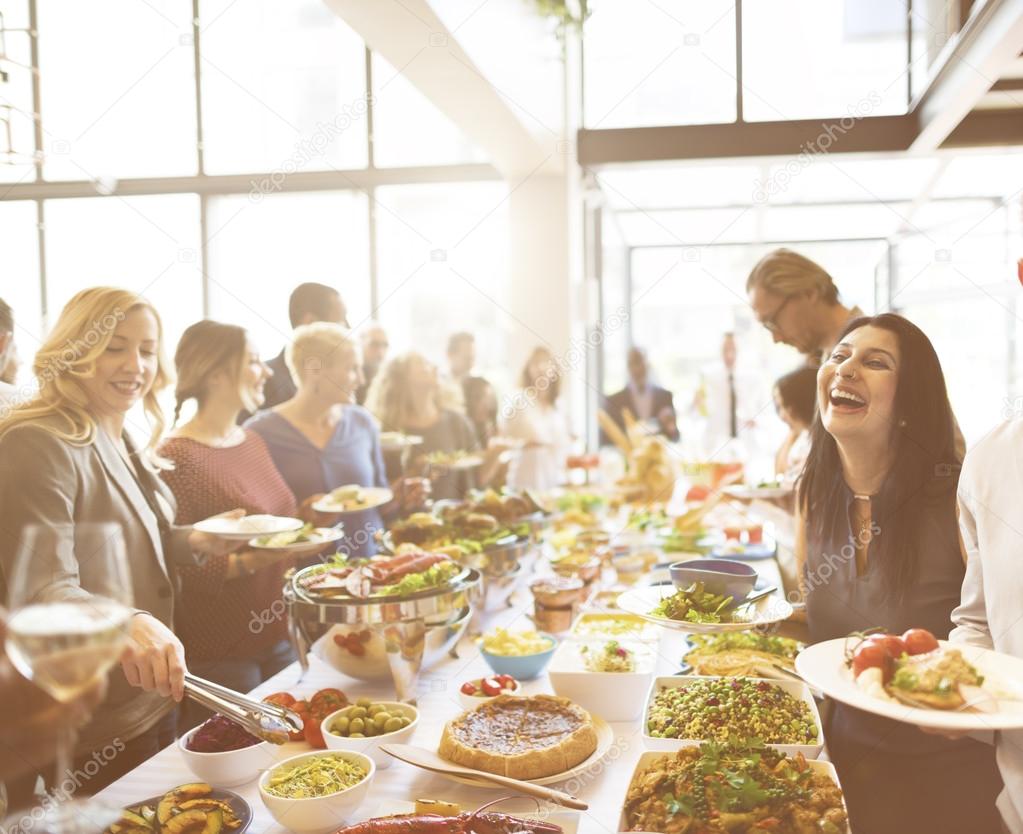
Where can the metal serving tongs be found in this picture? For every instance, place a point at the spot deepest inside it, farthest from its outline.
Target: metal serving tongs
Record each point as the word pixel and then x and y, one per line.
pixel 270 722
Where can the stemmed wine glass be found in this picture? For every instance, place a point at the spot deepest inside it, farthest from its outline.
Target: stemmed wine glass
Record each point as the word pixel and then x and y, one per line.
pixel 70 602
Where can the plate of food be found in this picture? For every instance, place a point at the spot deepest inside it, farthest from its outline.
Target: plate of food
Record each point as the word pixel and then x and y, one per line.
pixel 764 490
pixel 919 680
pixel 194 808
pixel 247 526
pixel 410 573
pixel 458 459
pixel 697 611
pixel 740 653
pixel 470 532
pixel 518 814
pixel 541 739
pixel 396 440
pixel 698 788
pixel 352 498
pixel 685 710
pixel 307 539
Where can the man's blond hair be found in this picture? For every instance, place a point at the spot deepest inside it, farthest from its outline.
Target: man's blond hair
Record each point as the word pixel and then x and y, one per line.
pixel 787 273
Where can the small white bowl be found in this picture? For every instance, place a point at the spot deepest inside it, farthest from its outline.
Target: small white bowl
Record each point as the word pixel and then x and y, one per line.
pixel 317 814
pixel 230 768
pixel 472 701
pixel 371 745
pixel 614 696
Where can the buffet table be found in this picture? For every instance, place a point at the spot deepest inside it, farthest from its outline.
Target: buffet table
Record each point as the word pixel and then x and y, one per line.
pixel 602 786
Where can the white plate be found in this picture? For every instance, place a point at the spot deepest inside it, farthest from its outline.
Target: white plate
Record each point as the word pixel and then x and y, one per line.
pixel 647 759
pixel 325 535
pixel 390 440
pixel 605 738
pixel 467 462
pixel 796 689
pixel 247 526
pixel 823 667
pixel 371 497
pixel 641 601
pixel 750 493
pixel 516 806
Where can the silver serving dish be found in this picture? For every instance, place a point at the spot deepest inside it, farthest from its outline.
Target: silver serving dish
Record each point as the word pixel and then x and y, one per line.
pixel 369 638
pixel 500 560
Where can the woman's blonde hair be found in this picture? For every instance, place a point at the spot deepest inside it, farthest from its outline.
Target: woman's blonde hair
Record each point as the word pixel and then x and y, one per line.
pixel 390 397
pixel 787 273
pixel 80 336
pixel 205 348
pixel 316 345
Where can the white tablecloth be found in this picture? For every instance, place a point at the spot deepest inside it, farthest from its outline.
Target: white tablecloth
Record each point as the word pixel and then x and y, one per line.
pixel 602 786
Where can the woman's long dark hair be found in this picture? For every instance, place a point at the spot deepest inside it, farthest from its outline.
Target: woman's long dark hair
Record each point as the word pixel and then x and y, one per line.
pixel 925 465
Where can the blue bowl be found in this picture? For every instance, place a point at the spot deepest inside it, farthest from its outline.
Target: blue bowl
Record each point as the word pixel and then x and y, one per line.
pixel 521 667
pixel 719 576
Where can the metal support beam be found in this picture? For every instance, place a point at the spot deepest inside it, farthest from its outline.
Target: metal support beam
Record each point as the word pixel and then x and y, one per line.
pixel 747 139
pixel 987 44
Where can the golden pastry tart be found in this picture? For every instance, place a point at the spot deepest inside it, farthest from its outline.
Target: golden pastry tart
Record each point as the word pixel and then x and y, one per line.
pixel 520 737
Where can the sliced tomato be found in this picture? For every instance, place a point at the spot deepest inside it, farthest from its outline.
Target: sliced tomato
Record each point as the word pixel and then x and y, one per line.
pixel 468 688
pixel 870 654
pixel 492 687
pixel 329 699
pixel 284 699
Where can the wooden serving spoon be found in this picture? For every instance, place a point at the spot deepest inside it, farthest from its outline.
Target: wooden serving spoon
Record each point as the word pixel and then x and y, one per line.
pixel 428 760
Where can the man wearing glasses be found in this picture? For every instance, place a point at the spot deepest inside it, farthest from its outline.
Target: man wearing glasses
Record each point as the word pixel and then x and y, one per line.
pixel 797 301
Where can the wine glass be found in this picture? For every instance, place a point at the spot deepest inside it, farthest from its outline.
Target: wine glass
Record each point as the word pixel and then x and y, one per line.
pixel 69 598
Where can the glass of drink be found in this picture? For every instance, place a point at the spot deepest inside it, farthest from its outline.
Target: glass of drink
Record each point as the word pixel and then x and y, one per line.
pixel 70 606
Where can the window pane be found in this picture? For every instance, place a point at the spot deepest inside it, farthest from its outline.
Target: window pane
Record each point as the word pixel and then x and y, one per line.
pixel 656 64
pixel 815 58
pixel 284 88
pixel 118 88
pixel 442 255
pixel 16 124
pixel 398 105
pixel 260 251
pixel 19 266
pixel 146 244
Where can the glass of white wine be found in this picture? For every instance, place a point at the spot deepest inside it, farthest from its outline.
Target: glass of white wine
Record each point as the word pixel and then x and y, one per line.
pixel 70 603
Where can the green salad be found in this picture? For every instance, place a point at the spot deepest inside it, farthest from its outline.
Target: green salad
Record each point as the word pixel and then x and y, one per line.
pixel 695 605
pixel 433 576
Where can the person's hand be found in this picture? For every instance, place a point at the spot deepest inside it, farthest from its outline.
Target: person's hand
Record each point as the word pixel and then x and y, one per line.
pixel 666 419
pixel 209 545
pixel 154 657
pixel 412 493
pixel 315 517
pixel 31 720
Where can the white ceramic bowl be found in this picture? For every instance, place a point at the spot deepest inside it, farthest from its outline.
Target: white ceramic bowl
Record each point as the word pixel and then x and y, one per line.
pixel 473 701
pixel 230 768
pixel 648 759
pixel 371 746
pixel 614 696
pixel 797 689
pixel 318 814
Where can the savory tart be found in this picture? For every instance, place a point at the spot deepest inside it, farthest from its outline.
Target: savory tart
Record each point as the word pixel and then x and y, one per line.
pixel 521 737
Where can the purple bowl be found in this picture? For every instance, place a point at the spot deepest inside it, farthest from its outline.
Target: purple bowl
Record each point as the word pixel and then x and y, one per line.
pixel 719 576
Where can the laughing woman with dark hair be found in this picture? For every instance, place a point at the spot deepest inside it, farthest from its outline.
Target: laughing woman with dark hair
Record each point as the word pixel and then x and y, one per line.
pixel 878 547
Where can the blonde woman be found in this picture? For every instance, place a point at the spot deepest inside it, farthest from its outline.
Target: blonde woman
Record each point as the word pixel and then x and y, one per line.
pixel 66 459
pixel 220 466
pixel 407 396
pixel 320 439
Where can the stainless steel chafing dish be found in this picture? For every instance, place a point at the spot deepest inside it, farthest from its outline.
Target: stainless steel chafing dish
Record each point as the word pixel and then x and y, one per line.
pixel 376 637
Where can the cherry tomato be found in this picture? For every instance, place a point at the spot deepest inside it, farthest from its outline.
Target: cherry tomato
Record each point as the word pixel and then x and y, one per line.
pixel 870 654
pixel 469 688
pixel 919 641
pixel 893 644
pixel 507 682
pixel 697 493
pixel 314 732
pixel 332 698
pixel 491 686
pixel 284 699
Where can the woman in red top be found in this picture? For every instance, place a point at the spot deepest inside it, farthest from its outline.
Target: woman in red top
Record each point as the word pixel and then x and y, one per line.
pixel 230 617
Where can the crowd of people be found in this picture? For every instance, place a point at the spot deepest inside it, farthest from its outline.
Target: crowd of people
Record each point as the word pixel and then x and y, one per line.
pixel 873 450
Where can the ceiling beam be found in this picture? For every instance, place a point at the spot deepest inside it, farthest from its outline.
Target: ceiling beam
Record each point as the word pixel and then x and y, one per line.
pixel 746 139
pixel 987 128
pixel 985 47
pixel 415 41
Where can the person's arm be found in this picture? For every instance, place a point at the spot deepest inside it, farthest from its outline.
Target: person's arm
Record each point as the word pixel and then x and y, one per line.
pixel 970 617
pixel 667 419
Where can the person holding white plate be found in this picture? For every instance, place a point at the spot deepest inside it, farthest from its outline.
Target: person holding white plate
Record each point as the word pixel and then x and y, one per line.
pixel 321 440
pixel 218 467
pixel 877 547
pixel 989 614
